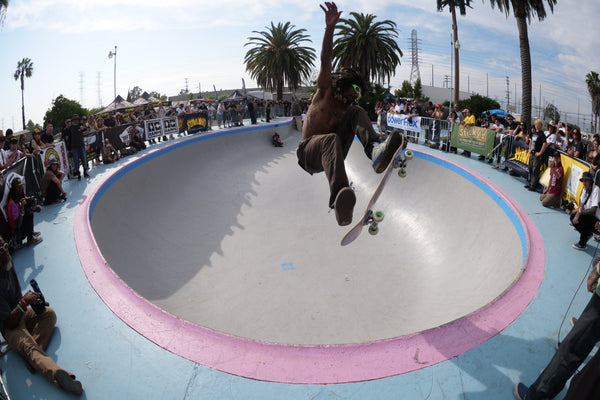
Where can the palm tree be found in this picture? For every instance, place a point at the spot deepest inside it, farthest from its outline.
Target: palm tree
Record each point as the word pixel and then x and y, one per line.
pixel 3 7
pixel 24 70
pixel 462 7
pixel 367 46
pixel 279 58
pixel 593 83
pixel 523 11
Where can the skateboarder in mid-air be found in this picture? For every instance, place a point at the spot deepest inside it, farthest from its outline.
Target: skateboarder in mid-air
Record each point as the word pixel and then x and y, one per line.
pixel 332 121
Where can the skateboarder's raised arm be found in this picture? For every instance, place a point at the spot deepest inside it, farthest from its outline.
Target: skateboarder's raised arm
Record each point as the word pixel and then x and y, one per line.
pixel 332 15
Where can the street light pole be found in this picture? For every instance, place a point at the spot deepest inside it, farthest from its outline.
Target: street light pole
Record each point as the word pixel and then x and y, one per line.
pixel 111 55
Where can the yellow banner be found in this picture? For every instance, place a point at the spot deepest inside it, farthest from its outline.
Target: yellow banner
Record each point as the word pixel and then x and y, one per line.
pixel 573 168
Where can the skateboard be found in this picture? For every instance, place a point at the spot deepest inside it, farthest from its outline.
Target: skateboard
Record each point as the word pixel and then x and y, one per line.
pixel 373 218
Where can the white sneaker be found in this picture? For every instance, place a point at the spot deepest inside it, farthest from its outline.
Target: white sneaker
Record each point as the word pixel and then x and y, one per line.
pixel 383 152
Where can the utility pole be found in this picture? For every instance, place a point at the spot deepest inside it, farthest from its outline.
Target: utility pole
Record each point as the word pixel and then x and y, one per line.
pixel 507 92
pixel 487 85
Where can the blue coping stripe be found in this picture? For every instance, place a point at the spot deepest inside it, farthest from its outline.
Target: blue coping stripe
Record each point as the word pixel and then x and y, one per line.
pixel 508 210
pixel 147 157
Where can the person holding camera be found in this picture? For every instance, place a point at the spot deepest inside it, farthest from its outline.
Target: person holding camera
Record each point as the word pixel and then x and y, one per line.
pixel 584 217
pixel 20 209
pixel 28 330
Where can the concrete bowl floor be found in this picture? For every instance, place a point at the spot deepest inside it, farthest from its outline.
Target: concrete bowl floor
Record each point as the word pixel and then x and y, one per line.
pixel 230 234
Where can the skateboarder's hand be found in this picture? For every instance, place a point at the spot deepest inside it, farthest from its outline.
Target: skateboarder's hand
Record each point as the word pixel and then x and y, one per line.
pixel 331 13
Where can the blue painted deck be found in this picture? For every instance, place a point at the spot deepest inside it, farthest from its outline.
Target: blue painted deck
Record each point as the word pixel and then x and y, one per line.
pixel 115 362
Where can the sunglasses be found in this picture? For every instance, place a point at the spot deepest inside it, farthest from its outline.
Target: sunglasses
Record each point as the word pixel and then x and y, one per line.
pixel 357 90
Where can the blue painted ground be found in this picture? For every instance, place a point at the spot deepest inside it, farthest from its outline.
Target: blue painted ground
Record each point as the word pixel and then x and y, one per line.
pixel 114 362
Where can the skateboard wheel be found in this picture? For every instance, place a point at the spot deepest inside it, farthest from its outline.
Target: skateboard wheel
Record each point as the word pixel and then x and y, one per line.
pixel 402 173
pixel 373 230
pixel 409 154
pixel 378 216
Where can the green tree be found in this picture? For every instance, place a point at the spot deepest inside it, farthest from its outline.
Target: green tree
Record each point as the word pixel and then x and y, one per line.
pixel 279 57
pixel 478 104
pixel 134 94
pixel 367 46
pixel 62 109
pixel 370 96
pixel 462 8
pixel 31 126
pixel 418 91
pixel 593 84
pixel 24 70
pixel 406 90
pixel 524 11
pixel 158 95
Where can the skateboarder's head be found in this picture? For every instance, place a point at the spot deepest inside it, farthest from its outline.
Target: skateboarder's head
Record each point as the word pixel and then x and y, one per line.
pixel 345 83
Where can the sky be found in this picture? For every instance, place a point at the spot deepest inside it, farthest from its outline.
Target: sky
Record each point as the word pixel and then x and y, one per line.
pixel 164 46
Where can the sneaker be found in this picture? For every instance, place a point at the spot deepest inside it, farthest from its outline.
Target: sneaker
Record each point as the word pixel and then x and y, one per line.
pixel 597 238
pixel 36 234
pixel 578 246
pixel 85 174
pixel 344 205
pixel 496 166
pixel 491 160
pixel 520 391
pixel 481 158
pixel 68 382
pixel 34 240
pixel 382 153
pixel 505 169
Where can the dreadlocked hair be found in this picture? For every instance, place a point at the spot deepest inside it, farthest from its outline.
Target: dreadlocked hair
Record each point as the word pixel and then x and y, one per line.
pixel 341 80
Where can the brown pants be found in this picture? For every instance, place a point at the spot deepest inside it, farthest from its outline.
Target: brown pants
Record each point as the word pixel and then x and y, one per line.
pixel 327 152
pixel 30 339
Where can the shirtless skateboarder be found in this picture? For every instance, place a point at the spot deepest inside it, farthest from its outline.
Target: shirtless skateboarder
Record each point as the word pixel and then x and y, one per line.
pixel 332 121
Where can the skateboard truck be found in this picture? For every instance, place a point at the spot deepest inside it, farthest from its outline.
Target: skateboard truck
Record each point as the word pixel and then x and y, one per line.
pixel 372 219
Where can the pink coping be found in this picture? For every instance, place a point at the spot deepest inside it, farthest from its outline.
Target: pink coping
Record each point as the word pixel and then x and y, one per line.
pixel 300 364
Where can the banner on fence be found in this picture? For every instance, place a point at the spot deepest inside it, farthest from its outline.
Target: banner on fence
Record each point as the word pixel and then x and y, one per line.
pixel 193 122
pixel 473 138
pixel 153 128
pixel 403 121
pixel 58 151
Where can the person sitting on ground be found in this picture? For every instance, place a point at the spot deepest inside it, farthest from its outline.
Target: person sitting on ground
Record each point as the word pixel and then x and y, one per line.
pixel 552 194
pixel 584 217
pixel 332 121
pixel 135 137
pixel 277 140
pixel 109 153
pixel 20 214
pixel 26 331
pixel 573 350
pixel 51 186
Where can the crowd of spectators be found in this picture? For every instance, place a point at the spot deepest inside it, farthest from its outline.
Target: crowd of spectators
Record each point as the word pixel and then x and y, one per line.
pixel 544 144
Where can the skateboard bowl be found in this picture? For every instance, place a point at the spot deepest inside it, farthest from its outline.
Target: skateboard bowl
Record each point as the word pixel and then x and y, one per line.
pixel 223 241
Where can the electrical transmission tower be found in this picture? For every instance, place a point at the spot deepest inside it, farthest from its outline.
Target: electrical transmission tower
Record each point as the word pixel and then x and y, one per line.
pixel 414 71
